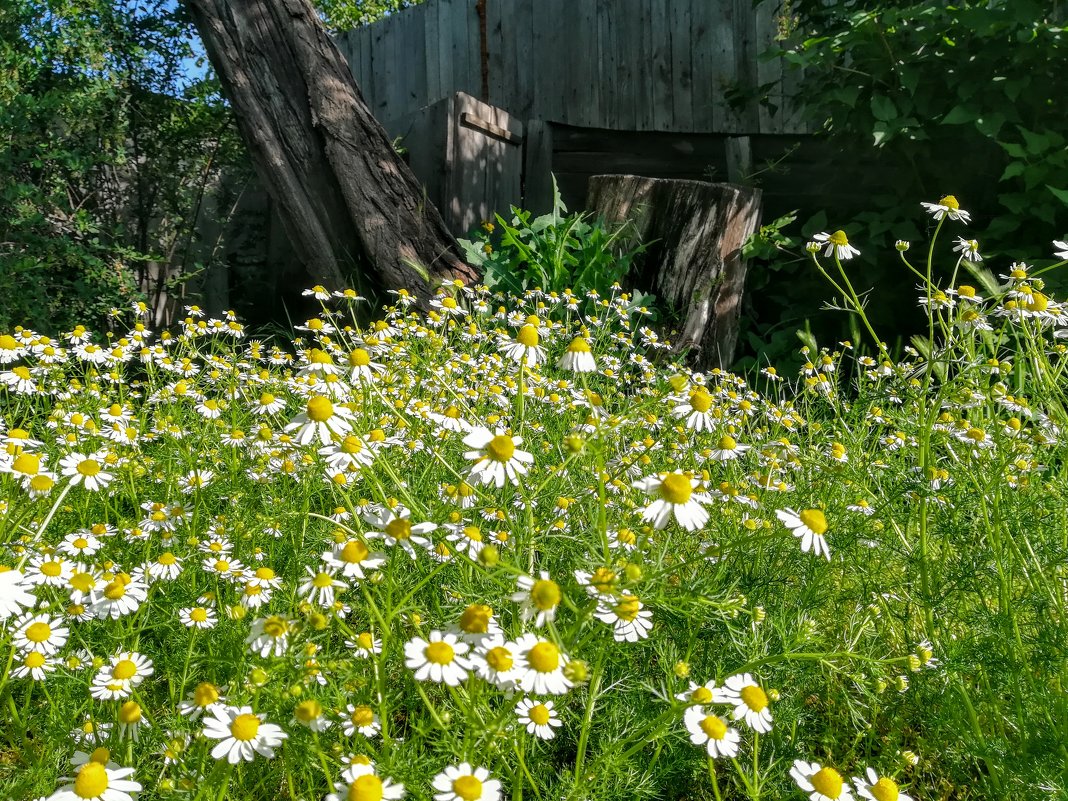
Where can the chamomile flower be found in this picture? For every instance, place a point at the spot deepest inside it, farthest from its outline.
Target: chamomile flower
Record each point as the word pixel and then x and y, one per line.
pixel 40 633
pixel 525 348
pixel 538 718
pixel 94 781
pixel 837 244
pixel 365 645
pixel 354 559
pixel 810 525
pixel 396 530
pixel 321 585
pixel 117 679
pixel 362 783
pixel 494 660
pixel 968 250
pixel 875 788
pixel 699 694
pixel 497 457
pixel 321 420
pixel 33 665
pixel 440 658
pixel 310 714
pixel 947 207
pixel 540 666
pixel 712 732
pixel 727 448
pixel 465 783
pixel 121 596
pixel 629 619
pixel 241 734
pixel 360 719
pixel 1060 249
pixel 131 720
pixel 204 696
pixel 821 784
pixel 749 700
pixel 539 598
pixel 578 357
pixel 697 409
pixel 87 470
pixel 198 617
pixel 674 493
pixel 269 636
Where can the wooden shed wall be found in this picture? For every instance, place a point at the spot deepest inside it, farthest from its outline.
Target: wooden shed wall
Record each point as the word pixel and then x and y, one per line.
pixel 643 65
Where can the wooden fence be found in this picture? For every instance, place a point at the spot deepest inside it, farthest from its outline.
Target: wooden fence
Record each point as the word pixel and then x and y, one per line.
pixel 641 65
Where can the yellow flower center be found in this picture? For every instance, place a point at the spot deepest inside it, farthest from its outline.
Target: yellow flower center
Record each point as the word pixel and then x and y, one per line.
pixel 448 303
pixel 628 608
pixel 815 520
pixel 676 488
pixel 91 780
pixel 38 632
pixel 700 400
pixel 88 467
pixel 8 342
pixel 714 727
pixel 754 697
pixel 22 372
pixel 966 291
pixel 264 573
pixel 499 658
pixel 115 590
pixel 205 694
pixel 130 713
pixel 539 714
pixel 354 552
pixel 307 711
pixel 827 781
pixel 702 695
pixel 51 569
pixel 320 409
pixel 322 580
pixel 1037 303
pixel 727 443
pixel 351 444
pixel 949 202
pixel 275 627
pixel 199 615
pixel 579 345
pixel 500 448
pixel 400 528
pixel 245 727
pixel 528 336
pixel 80 543
pixel 100 755
pixel 266 399
pixel 473 533
pixel 440 653
pixel 365 641
pixel 468 788
pixel 975 434
pixel 167 558
pixel 838 238
pixel 362 716
pixel 34 660
pixel 317 356
pixel 359 358
pixel 367 787
pixel 603 579
pixel 544 657
pixel 29 464
pixel 545 594
pixel 475 619
pixel 885 790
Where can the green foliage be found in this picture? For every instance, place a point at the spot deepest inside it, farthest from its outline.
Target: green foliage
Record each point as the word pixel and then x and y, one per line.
pixel 106 152
pixel 340 15
pixel 921 100
pixel 553 252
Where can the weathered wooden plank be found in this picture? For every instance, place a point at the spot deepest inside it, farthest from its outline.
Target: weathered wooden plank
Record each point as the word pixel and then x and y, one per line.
pixel 608 65
pixel 467 72
pixel 681 66
pixel 380 45
pixel 579 32
pixel 745 54
pixel 768 71
pixel 661 82
pixel 432 45
pixel 416 58
pixel 518 39
pixel 704 50
pixel 501 71
pixel 537 167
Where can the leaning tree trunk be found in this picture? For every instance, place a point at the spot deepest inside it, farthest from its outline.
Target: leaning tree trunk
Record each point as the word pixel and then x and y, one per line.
pixel 343 194
pixel 693 263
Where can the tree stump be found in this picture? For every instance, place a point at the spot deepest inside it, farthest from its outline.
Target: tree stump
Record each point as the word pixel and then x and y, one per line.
pixel 693 263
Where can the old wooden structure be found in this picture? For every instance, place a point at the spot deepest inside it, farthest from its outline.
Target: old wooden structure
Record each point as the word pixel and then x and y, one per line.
pixel 491 96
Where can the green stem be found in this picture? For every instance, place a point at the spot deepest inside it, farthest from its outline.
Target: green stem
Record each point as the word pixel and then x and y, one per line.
pixel 591 702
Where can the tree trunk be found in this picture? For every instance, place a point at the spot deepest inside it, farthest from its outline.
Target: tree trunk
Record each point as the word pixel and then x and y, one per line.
pixel 344 195
pixel 693 264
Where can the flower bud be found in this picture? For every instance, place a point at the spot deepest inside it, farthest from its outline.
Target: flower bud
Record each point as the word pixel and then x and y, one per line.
pixel 577 671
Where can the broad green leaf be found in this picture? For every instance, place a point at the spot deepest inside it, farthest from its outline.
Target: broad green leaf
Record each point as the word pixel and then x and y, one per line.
pixel 959 115
pixel 883 108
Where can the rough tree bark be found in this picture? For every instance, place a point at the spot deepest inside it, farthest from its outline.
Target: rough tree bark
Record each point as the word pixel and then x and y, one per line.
pixel 693 264
pixel 343 194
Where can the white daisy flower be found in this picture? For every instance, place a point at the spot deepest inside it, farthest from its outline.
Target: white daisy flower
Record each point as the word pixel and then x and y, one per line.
pixel 15 593
pixel 578 358
pixel 837 245
pixel 674 494
pixel 33 665
pixel 360 719
pixel 697 409
pixel 727 448
pixel 322 420
pixel 821 784
pixel 538 718
pixel 947 207
pixel 439 658
pixel 269 636
pixel 968 250
pixel 700 694
pixel 361 782
pixel 539 598
pixel 749 700
pixel 396 529
pixel 121 596
pixel 94 781
pixel 39 633
pixel 116 680
pixel 874 788
pixel 540 666
pixel 1060 249
pixel 525 348
pixel 365 645
pixel 494 660
pixel 86 469
pixel 204 696
pixel 629 619
pixel 465 783
pixel 810 525
pixel 241 733
pixel 322 585
pixel 353 559
pixel 497 457
pixel 712 732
